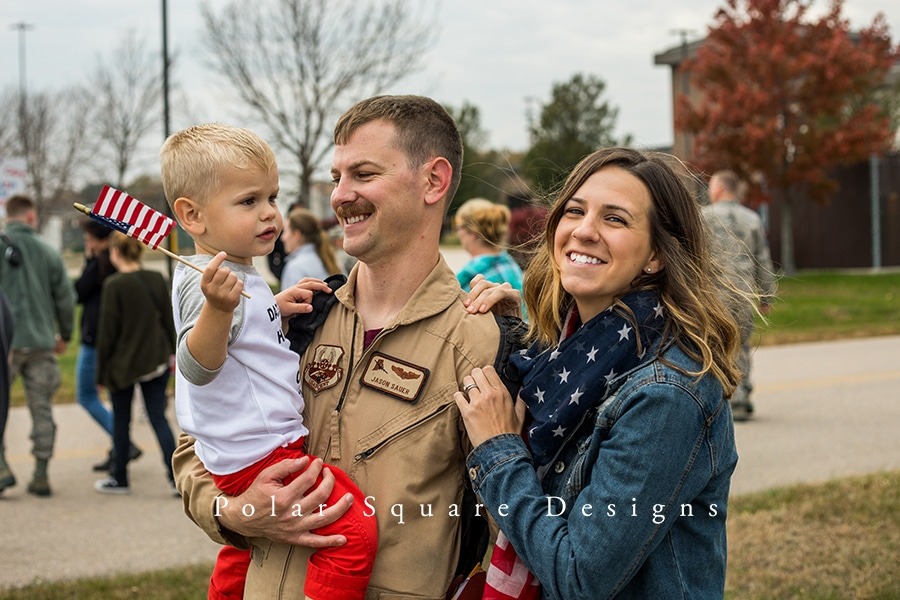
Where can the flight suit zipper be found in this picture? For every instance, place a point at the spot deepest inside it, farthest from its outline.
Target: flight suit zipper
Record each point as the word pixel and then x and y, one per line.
pixel 370 451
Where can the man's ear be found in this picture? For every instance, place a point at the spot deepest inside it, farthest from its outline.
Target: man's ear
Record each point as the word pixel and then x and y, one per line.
pixel 189 215
pixel 439 174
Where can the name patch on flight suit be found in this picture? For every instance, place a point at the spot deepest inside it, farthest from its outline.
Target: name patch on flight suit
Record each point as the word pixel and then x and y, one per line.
pixel 324 371
pixel 394 377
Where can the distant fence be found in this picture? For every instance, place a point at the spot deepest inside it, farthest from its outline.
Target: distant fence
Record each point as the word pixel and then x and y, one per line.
pixel 839 233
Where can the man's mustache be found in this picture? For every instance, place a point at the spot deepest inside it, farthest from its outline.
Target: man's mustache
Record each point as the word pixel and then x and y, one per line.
pixel 347 211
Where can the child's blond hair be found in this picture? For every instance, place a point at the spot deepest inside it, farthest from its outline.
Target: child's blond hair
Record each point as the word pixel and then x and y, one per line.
pixel 192 160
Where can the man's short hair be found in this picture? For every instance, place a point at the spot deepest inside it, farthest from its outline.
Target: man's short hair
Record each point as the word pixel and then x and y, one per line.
pixel 425 130
pixel 193 159
pixel 729 180
pixel 18 205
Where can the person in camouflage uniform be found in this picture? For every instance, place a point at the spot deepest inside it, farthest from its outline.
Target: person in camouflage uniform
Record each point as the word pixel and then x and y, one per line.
pixel 741 242
pixel 43 305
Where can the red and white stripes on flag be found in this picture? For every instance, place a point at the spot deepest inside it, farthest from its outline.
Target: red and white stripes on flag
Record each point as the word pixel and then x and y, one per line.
pixel 507 576
pixel 132 217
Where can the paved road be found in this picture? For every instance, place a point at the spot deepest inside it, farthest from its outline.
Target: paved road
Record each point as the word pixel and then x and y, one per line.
pixel 824 410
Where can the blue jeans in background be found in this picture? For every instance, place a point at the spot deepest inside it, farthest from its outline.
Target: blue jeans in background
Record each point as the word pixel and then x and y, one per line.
pixel 86 388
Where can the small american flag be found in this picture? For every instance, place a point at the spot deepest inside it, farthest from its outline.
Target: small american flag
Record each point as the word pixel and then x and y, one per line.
pixel 117 210
pixel 507 576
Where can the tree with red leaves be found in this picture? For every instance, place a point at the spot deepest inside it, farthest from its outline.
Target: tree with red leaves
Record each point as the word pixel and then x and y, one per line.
pixel 784 97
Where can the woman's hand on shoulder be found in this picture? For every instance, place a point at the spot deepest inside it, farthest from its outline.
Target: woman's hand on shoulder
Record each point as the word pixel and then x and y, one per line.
pixel 500 298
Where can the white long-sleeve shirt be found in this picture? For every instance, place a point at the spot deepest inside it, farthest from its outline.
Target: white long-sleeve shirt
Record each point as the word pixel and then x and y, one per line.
pixel 252 404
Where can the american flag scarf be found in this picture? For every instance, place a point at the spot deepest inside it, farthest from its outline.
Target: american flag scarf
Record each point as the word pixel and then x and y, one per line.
pixel 559 385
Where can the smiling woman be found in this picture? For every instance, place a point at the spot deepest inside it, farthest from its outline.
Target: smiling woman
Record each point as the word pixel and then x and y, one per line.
pixel 602 240
pixel 625 388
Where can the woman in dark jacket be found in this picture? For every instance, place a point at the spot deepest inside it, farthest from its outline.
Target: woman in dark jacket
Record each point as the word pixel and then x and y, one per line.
pixel 88 286
pixel 135 340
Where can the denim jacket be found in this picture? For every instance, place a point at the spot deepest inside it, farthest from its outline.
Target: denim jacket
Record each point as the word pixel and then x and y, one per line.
pixel 634 503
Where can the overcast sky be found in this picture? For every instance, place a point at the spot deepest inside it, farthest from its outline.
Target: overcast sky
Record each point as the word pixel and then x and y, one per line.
pixel 493 53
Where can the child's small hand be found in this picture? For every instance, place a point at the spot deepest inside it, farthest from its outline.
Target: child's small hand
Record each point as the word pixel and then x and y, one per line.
pixel 500 298
pixel 221 286
pixel 297 299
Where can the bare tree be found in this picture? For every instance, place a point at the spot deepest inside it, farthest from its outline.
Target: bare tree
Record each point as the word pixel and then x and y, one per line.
pixel 9 122
pixel 127 88
pixel 54 142
pixel 296 64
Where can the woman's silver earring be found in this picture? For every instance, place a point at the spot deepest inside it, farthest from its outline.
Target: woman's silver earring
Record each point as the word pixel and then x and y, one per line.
pixel 649 270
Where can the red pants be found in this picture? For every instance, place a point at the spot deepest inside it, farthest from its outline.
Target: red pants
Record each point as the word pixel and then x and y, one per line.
pixel 340 573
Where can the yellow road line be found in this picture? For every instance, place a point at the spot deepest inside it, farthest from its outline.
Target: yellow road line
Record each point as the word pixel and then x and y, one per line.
pixel 826 382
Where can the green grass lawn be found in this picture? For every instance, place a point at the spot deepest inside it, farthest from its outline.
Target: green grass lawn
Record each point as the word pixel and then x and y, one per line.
pixel 825 306
pixel 835 540
pixel 186 583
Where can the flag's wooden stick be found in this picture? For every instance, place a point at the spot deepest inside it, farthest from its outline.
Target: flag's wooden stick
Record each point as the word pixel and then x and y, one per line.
pixel 84 209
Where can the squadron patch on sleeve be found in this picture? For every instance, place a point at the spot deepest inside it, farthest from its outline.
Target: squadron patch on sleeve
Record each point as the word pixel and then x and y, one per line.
pixel 324 371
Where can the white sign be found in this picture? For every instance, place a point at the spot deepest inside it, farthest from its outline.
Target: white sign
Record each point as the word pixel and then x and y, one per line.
pixel 12 179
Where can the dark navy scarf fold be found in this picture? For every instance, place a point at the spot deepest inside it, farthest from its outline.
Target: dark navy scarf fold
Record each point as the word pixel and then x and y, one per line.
pixel 560 384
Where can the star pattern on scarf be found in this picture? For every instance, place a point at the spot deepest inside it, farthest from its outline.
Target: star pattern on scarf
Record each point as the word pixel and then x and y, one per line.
pixel 609 376
pixel 565 381
pixel 658 309
pixel 573 399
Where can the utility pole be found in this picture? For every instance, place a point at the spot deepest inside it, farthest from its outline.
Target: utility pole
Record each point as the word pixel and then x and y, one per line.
pixel 685 83
pixel 685 80
pixel 875 200
pixel 530 102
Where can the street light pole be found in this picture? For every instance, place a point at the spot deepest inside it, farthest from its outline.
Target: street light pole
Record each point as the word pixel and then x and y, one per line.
pixel 165 73
pixel 173 238
pixel 22 27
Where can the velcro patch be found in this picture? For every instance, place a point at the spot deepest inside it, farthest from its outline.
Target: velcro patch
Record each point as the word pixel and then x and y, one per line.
pixel 324 371
pixel 394 377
